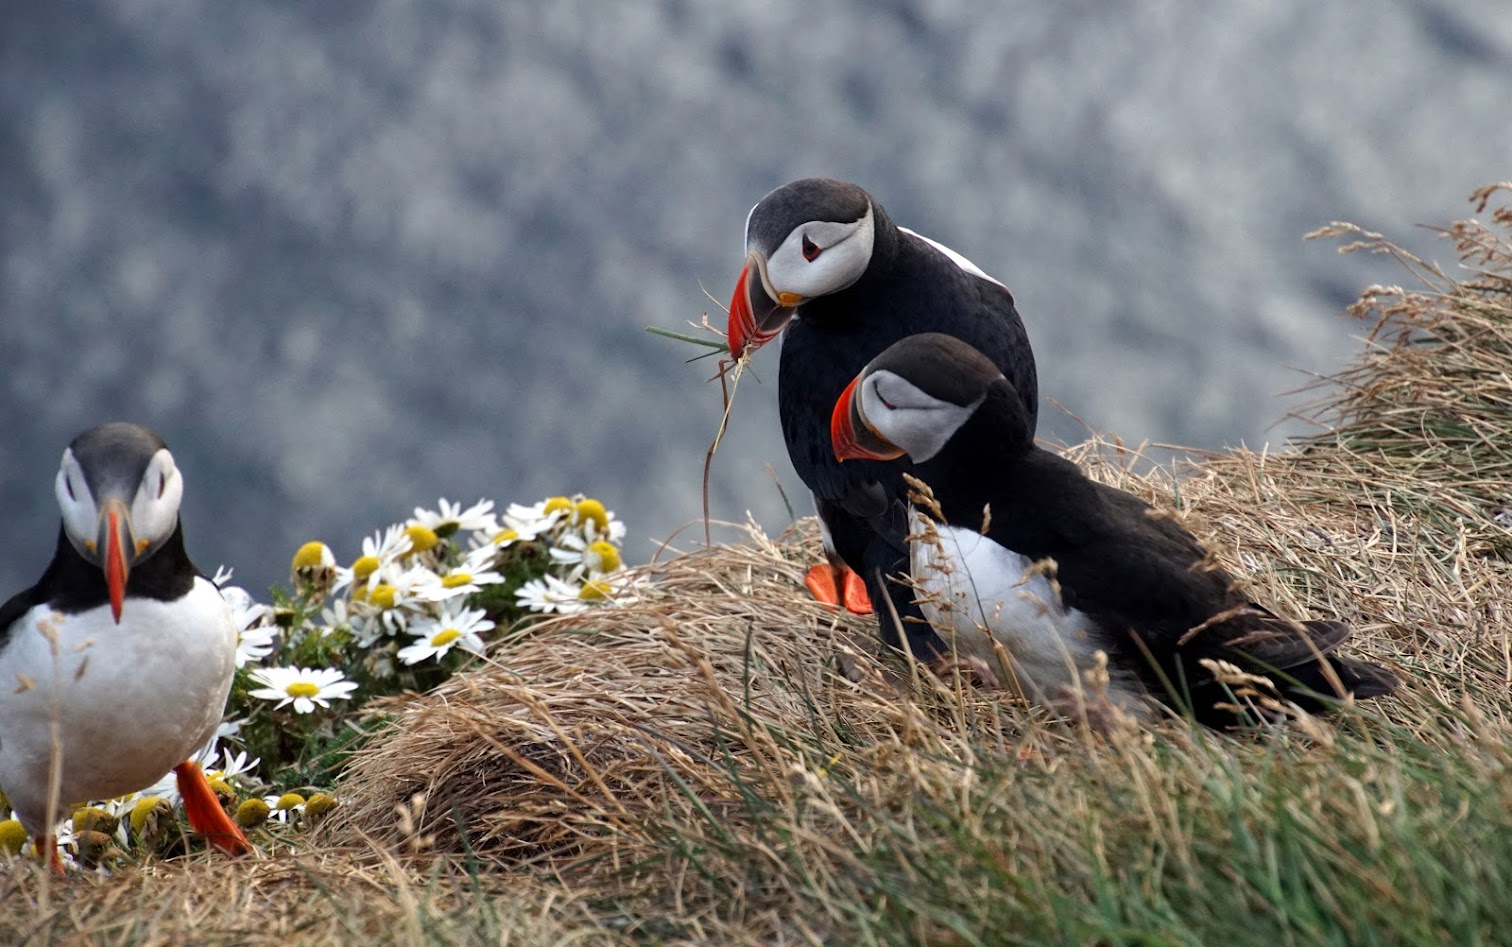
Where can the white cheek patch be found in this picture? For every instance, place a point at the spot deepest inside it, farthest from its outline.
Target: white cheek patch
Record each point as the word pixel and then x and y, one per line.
pixel 80 515
pixel 154 509
pixel 846 253
pixel 918 423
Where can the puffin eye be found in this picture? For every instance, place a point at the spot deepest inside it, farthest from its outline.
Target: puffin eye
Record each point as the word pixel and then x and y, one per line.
pixel 68 483
pixel 811 250
pixel 162 485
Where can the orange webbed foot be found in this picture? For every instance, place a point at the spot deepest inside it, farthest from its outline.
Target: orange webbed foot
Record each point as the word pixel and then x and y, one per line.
pixel 206 816
pixel 837 586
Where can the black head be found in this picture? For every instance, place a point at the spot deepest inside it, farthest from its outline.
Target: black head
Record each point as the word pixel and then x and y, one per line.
pixel 809 238
pixel 915 396
pixel 119 492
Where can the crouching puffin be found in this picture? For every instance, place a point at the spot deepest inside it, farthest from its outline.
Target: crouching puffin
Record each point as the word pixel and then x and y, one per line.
pixel 115 666
pixel 1057 567
pixel 825 262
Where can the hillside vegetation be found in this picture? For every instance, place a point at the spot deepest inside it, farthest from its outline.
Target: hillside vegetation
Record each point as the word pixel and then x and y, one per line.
pixel 725 761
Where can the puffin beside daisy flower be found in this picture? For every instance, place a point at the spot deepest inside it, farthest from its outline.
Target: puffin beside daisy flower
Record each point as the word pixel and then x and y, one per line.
pixel 123 649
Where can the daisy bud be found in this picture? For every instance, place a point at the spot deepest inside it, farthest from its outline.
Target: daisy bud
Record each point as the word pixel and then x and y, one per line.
pixel 313 571
pixel 382 596
pixel 153 822
pixel 601 556
pixel 422 538
pixel 224 794
pixel 595 590
pixel 92 848
pixel 251 813
pixel 94 819
pixel 150 815
pixel 289 800
pixel 592 511
pixel 558 504
pixel 12 836
pixel 318 805
pixel 365 566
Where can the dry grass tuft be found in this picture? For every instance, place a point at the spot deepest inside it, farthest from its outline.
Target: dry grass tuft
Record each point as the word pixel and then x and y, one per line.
pixel 726 761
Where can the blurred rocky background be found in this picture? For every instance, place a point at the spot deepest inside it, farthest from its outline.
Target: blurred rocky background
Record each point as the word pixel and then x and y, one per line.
pixel 348 257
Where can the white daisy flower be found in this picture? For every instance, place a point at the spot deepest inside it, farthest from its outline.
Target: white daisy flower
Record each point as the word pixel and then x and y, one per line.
pixel 471 574
pixel 254 644
pixel 528 522
pixel 339 619
pixel 379 552
pixel 336 619
pixel 222 575
pixel 244 608
pixel 617 589
pixel 304 687
pixel 550 594
pixel 232 765
pixel 452 519
pixel 462 628
pixel 389 605
pixel 595 521
pixel 285 807
pixel 255 632
pixel 595 557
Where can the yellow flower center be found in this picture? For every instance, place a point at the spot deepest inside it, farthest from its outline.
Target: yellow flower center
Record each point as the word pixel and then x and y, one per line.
pixel 301 689
pixel 251 813
pixel 456 580
pixel 444 637
pixel 592 510
pixel 12 836
pixel 311 555
pixel 365 566
pixel 319 804
pixel 289 800
pixel 382 596
pixel 422 538
pixel 505 536
pixel 594 591
pixel 145 809
pixel 602 556
pixel 557 503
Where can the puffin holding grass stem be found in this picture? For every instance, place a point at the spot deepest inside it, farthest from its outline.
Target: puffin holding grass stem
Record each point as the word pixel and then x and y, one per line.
pixel 828 269
pixel 1057 567
pixel 115 666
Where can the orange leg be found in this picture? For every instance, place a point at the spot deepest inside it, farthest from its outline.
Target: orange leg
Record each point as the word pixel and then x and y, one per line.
pixel 205 813
pixel 836 586
pixel 49 849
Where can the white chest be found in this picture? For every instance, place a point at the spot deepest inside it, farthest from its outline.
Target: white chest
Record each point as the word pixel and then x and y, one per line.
pixel 975 592
pixel 127 701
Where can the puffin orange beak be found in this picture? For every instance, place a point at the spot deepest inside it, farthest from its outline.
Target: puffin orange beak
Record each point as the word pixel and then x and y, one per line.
pixel 851 436
pixel 114 540
pixel 757 312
